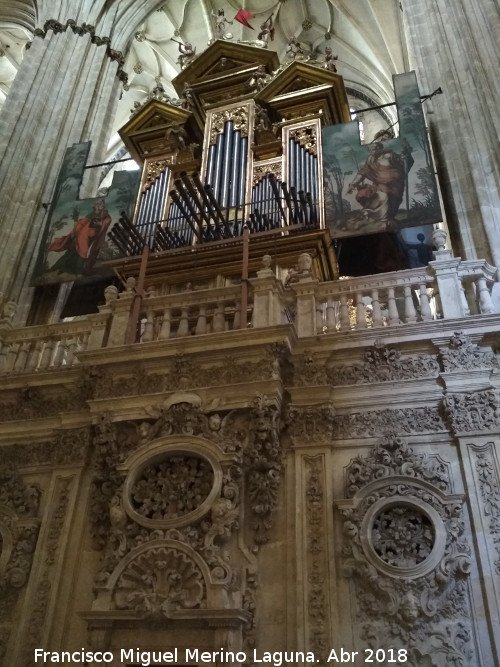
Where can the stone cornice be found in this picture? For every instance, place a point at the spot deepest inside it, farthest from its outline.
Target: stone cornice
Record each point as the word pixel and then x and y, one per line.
pixel 85 29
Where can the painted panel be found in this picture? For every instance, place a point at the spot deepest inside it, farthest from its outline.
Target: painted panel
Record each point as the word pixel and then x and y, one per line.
pixel 386 185
pixel 76 239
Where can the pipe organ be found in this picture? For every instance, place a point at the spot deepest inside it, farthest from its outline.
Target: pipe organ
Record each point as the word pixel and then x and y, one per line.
pixel 231 156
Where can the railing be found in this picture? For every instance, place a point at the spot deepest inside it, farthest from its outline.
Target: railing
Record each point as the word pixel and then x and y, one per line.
pixel 191 313
pixel 446 289
pixel 43 347
pixel 375 301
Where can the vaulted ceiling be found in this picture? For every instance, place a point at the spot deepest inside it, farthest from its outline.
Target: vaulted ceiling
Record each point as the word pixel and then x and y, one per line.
pixel 365 34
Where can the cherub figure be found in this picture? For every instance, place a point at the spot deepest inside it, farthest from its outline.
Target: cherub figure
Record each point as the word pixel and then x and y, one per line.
pixel 186 53
pixel 266 31
pixel 293 49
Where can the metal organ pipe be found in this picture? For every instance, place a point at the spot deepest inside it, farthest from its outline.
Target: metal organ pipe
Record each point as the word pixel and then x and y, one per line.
pixel 223 197
pixel 242 171
pixel 235 170
pixel 216 177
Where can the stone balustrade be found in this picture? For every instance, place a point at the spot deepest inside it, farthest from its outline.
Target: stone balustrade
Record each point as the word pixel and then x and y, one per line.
pixel 448 288
pixel 42 347
pixel 191 313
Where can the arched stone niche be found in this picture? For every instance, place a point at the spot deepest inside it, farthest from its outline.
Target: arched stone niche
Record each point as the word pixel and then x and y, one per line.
pixel 172 561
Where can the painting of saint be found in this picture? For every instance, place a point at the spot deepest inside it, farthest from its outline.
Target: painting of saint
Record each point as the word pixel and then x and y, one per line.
pixel 384 186
pixel 76 240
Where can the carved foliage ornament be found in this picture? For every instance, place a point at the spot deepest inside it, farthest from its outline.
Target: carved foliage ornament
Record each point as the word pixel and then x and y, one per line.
pixel 381 363
pixel 462 354
pixel 405 553
pixel 260 171
pixel 160 581
pixel 306 137
pixel 263 463
pixel 238 116
pixel 172 487
pixel 475 411
pixel 489 486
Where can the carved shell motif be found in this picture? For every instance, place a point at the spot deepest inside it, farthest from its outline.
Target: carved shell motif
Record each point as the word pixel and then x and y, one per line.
pixel 160 581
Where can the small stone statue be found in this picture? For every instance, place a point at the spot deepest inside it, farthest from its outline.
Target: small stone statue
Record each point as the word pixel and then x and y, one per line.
pixel 258 79
pixel 266 31
pixel 330 59
pixel 186 53
pixel 262 121
pixel 220 24
pixel 187 97
pixel 293 49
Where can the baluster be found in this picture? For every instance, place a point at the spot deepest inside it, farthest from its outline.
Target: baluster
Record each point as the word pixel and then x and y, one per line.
pixel 465 304
pixel 376 312
pixel 20 363
pixel 486 306
pixel 59 354
pixel 71 345
pixel 201 324
pixel 410 312
pixel 183 329
pixel 391 307
pixel 165 325
pixel 4 349
pixel 219 320
pixel 34 356
pixel 11 357
pixel 47 353
pixel 237 316
pixel 319 318
pixel 83 342
pixel 360 312
pixel 425 306
pixel 345 322
pixel 148 333
pixel 331 322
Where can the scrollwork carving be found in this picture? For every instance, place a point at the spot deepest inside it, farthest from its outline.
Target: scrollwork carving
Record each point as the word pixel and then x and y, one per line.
pixel 263 463
pixel 306 137
pixel 475 411
pixel 312 423
pixel 239 117
pixel 411 591
pixel 489 487
pixel 463 355
pixel 160 581
pixel 382 363
pixel 172 487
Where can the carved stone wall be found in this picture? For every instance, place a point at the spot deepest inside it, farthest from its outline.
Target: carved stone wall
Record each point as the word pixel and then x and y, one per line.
pixel 406 556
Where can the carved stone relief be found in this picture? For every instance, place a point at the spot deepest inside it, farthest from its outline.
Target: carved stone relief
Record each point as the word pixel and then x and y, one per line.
pixel 381 363
pixel 169 488
pixel 160 581
pixel 41 598
pixel 172 487
pixel 489 487
pixel 312 423
pixel 317 569
pixel 19 527
pixel 182 373
pixel 31 403
pixel 263 465
pixel 461 354
pixel 474 411
pixel 406 556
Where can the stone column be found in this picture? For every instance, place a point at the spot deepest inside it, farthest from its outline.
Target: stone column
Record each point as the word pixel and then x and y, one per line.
pixel 455 45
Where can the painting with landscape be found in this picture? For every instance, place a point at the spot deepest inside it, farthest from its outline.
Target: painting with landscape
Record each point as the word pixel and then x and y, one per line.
pixel 76 240
pixel 386 185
